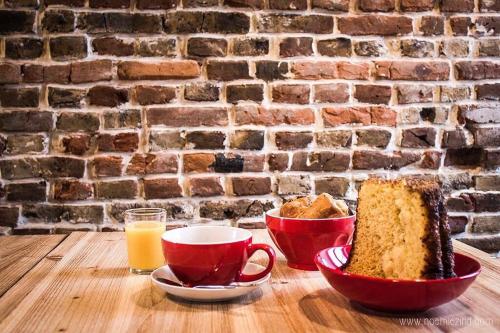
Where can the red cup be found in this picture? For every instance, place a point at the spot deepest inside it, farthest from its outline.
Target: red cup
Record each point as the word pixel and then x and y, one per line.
pixel 300 239
pixel 212 255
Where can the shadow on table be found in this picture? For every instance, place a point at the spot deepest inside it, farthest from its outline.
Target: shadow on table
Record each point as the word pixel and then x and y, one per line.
pixel 150 297
pixel 326 308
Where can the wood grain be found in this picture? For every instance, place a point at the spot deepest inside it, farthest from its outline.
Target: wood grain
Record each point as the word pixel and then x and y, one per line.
pixel 18 254
pixel 88 288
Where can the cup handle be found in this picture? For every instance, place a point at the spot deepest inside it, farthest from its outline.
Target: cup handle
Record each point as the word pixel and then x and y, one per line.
pixel 252 248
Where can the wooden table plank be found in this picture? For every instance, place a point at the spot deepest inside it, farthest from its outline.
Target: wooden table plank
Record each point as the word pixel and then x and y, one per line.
pixel 88 288
pixel 19 254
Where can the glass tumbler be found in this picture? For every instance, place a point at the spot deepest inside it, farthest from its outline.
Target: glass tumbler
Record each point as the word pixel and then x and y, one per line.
pixel 143 230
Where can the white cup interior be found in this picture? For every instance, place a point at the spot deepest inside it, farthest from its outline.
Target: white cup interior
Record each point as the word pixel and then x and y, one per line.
pixel 206 235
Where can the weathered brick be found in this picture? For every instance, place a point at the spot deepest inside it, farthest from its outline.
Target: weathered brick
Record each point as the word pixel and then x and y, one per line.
pixel 227 70
pixel 288 4
pixel 160 140
pixel 26 191
pixel 229 163
pixel 165 70
pixel 293 184
pixel 10 73
pixel 419 71
pixel 121 142
pixel 71 189
pixel 420 137
pixel 489 5
pixel 201 92
pixel 205 187
pixel 334 139
pixel 109 3
pixel 26 121
pixel 485 137
pixel 64 213
pixel 106 166
pixel 9 216
pixel 486 224
pixel 457 224
pixel 144 164
pixel 377 5
pixel 364 115
pixel 431 25
pixel 206 47
pixel 366 160
pixel 133 23
pixel 221 210
pixel 417 48
pixel 47 74
pixel 293 140
pixel 276 23
pixel 335 186
pixel 454 139
pixel 205 140
pixel 417 5
pixel 69 3
pixel 244 92
pixel 487 183
pixel 488 47
pixel 23 48
pixel 375 25
pixel 333 5
pixel 454 48
pixel 162 188
pixel 259 115
pixel 19 97
pixel 464 157
pixel 338 47
pixel 296 47
pixel 247 139
pixel 156 47
pixel 452 94
pixel 187 116
pixel 373 137
pixel 76 121
pixel 21 3
pixel 291 93
pixel 74 143
pixel 23 144
pixel 116 189
pixel 183 22
pixel 14 21
pixel 488 91
pixel 68 48
pixel 410 93
pixel 250 46
pixel 373 94
pixel 107 96
pixel 431 160
pixel 369 48
pixel 485 202
pixel 320 161
pixel 465 6
pixel 460 25
pixel 331 93
pixel 485 243
pixel 58 21
pixel 277 161
pixel 251 185
pixel 477 70
pixel 122 119
pixel 65 98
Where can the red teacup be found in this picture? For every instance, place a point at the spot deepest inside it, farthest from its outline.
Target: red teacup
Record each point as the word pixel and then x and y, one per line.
pixel 212 255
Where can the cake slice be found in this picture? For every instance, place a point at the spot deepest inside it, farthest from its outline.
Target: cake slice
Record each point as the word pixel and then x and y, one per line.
pixel 401 231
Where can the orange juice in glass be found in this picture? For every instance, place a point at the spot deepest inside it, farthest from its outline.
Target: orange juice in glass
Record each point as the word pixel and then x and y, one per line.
pixel 143 229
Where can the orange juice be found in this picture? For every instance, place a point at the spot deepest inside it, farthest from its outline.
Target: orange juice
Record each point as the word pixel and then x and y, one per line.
pixel 144 245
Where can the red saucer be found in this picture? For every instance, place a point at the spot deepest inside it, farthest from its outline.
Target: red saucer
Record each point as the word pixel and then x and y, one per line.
pixel 392 294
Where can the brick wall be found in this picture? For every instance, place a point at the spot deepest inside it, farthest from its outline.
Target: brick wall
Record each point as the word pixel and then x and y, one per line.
pixel 217 109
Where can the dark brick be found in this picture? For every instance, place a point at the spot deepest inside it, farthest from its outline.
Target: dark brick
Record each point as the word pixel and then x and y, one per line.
pixel 418 137
pixel 369 48
pixel 9 216
pixel 417 48
pixel 76 121
pixel 92 22
pixel 206 47
pixel 69 3
pixel 432 25
pixel 245 92
pixel 336 5
pixel 251 185
pixel 13 21
pixel 457 224
pixel 23 48
pixel 277 161
pixel 486 224
pixel 338 47
pixel 68 48
pixel 65 98
pixel 295 47
pixel 93 214
pixel 116 189
pixel 275 23
pixel 464 157
pixel 201 92
pixel 227 70
pixel 25 121
pixel 373 138
pixel 222 210
pixel 487 183
pixel 121 142
pixel 488 92
pixel 465 6
pixel 113 46
pixel 291 93
pixel 158 47
pixel 19 97
pixel 293 140
pixel 454 139
pixel 16 144
pixel 271 70
pixel 373 94
pixel 182 22
pixel 156 4
pixel 205 187
pixel 250 46
pixel 335 186
pixel 460 25
pixel 71 189
pixel 375 25
pixel 320 161
pixel 10 73
pixel 205 140
pixel 162 188
pixel 106 166
pixel 366 160
pixel 133 23
pixel 26 191
pixel 227 164
pixel 58 21
pixel 487 137
pixel 288 4
pixel 145 95
pixel 107 96
pixel 76 143
pixel 109 3
pixel 485 202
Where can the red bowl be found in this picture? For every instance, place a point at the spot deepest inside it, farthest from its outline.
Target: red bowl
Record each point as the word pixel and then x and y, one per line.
pixel 300 239
pixel 395 295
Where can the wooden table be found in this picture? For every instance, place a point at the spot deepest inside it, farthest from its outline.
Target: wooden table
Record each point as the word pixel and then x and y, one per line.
pixel 81 284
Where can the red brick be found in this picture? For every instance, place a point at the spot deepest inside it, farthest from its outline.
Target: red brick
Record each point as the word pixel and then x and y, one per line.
pixel 145 95
pixel 477 70
pixel 375 25
pixel 417 5
pixel 76 143
pixel 291 93
pixel 377 5
pixel 316 70
pixel 205 187
pixel 465 6
pixel 71 189
pixel 366 160
pixel 107 96
pixel 187 116
pixel 202 162
pixel 337 5
pixel 331 93
pixel 288 4
pixel 353 71
pixel 121 142
pixel 292 140
pixel 364 115
pixel 165 70
pixel 460 25
pixel 251 185
pixel 296 47
pixel 106 166
pixel 259 115
pixel 277 161
pixel 91 71
pixel 163 188
pixel 10 73
pixel 373 94
pixel 142 164
pixel 419 71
